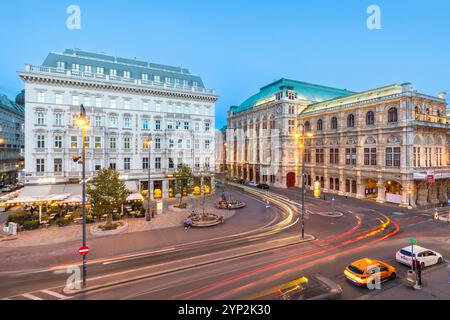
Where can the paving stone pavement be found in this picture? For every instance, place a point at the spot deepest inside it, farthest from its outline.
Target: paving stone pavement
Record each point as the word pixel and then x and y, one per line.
pixel 169 219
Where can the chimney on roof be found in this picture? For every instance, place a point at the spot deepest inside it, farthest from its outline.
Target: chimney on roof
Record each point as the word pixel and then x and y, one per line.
pixel 442 95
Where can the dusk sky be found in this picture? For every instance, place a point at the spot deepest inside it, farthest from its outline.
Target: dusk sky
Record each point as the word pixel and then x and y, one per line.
pixel 239 46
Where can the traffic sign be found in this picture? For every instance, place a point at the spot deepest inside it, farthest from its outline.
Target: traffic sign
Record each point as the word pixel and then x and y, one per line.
pixel 411 240
pixel 84 250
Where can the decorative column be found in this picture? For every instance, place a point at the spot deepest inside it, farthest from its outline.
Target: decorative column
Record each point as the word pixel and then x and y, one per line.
pixel 381 198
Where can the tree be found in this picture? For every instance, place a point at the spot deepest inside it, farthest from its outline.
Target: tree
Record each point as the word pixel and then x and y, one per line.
pixel 106 192
pixel 183 183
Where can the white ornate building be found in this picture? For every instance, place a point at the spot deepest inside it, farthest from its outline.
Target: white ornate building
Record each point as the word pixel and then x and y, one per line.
pixel 126 101
pixel 386 144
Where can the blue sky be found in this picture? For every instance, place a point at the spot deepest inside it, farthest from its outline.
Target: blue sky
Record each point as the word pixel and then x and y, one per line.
pixel 239 46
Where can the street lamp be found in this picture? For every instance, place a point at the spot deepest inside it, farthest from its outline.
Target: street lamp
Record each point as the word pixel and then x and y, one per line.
pixel 301 138
pixel 83 124
pixel 149 146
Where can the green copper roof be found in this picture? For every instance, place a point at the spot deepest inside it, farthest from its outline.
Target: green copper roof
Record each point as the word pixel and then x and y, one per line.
pixel 135 67
pixel 6 103
pixel 306 91
pixel 354 98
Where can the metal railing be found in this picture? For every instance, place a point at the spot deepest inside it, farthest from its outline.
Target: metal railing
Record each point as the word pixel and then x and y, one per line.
pixel 115 79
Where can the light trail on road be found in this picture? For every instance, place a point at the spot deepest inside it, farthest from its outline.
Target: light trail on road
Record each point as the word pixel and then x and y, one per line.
pixel 193 293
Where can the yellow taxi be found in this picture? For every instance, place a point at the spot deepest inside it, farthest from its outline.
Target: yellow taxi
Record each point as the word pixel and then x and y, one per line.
pixel 365 271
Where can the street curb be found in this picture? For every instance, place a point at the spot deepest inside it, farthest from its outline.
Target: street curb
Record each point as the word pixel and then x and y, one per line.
pixel 119 282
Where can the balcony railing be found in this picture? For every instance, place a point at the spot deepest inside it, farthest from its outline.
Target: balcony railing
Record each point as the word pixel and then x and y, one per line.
pixel 115 79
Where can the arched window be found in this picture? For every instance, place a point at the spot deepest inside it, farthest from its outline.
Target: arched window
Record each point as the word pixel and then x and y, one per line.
pixel 370 118
pixel 350 121
pixel 319 125
pixel 392 115
pixel 334 123
pixel 307 126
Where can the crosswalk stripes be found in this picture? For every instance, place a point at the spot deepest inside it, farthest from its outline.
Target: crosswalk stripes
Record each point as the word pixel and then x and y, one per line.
pixel 31 296
pixel 40 295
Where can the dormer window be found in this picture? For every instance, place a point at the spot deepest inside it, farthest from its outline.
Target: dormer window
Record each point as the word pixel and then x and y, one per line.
pixel 60 65
pixel 126 74
pixel 100 70
pixel 113 73
pixel 75 67
pixel 88 69
pixel 145 76
pixel 157 78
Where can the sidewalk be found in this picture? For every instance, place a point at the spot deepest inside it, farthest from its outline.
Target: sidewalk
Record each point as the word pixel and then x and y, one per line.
pixel 170 219
pixel 435 282
pixel 14 257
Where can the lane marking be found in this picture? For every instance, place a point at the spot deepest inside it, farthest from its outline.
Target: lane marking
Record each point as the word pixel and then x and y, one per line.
pixel 55 294
pixel 31 297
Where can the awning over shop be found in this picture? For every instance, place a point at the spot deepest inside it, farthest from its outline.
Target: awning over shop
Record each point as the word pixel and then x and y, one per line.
pixel 135 197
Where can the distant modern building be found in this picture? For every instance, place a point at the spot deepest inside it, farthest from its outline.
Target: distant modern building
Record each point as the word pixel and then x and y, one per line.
pixel 389 144
pixel 221 150
pixel 11 140
pixel 126 101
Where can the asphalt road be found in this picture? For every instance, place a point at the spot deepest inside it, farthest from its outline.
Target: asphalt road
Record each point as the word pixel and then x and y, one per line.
pixel 239 266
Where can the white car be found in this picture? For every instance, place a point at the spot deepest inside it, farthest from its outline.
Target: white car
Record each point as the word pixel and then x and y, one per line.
pixel 426 257
pixel 252 184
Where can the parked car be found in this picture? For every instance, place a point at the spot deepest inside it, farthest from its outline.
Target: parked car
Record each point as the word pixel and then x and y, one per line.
pixel 252 184
pixel 426 257
pixel 263 186
pixel 360 272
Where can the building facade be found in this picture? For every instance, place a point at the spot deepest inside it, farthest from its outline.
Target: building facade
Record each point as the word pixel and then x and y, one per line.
pixel 221 150
pixel 389 144
pixel 259 133
pixel 126 102
pixel 11 140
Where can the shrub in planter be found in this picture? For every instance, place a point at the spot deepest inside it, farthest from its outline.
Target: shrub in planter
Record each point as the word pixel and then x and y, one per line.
pixel 31 224
pixel 19 217
pixel 62 222
pixel 89 219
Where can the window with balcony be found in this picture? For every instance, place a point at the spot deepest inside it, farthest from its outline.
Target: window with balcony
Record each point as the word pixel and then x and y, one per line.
pixel 41 142
pixel 145 124
pixel 98 121
pixel 58 119
pixel 127 122
pixel 40 165
pixel 58 142
pixel 98 143
pixel 127 143
pixel 73 142
pixel 145 163
pixel 126 164
pixel 112 143
pixel 370 156
pixel 350 156
pixel 392 157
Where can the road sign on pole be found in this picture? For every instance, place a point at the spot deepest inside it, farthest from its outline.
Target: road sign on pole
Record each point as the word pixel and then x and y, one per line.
pixel 412 241
pixel 84 250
